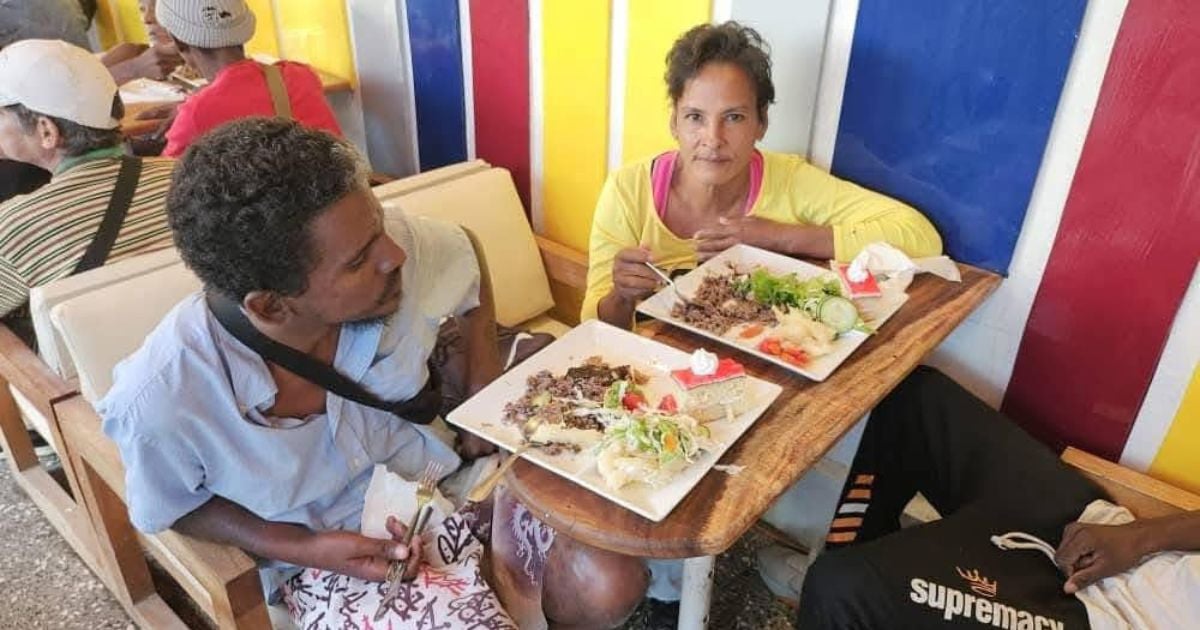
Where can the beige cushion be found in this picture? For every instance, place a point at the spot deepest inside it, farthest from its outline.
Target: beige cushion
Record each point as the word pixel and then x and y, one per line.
pixel 44 298
pixel 102 327
pixel 487 204
pixel 428 178
pixel 545 324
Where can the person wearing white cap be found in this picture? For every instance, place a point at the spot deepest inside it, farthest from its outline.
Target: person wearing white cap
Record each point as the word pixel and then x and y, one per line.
pixel 211 35
pixel 60 111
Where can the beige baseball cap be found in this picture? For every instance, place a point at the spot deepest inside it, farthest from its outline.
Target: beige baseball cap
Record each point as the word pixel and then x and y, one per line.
pixel 57 79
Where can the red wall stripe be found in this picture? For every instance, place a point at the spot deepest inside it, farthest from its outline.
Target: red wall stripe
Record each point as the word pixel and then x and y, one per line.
pixel 1127 245
pixel 500 64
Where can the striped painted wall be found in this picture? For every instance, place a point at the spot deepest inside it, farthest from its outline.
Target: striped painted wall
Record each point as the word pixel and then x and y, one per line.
pixel 1056 143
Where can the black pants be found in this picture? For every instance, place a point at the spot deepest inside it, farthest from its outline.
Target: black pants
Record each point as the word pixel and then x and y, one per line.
pixel 986 477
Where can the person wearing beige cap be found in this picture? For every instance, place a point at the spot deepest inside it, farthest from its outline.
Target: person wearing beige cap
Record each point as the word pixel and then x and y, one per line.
pixel 211 36
pixel 60 111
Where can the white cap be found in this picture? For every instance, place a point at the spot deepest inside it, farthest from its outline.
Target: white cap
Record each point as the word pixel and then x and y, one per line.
pixel 57 79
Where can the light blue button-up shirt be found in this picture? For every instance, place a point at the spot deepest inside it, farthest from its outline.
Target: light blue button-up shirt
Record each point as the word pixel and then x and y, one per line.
pixel 186 410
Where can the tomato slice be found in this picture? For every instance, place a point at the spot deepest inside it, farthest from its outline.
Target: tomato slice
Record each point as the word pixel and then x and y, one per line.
pixel 633 400
pixel 770 346
pixel 798 358
pixel 753 330
pixel 668 404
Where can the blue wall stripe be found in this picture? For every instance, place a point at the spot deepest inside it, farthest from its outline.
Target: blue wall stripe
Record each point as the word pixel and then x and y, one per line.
pixel 435 41
pixel 948 106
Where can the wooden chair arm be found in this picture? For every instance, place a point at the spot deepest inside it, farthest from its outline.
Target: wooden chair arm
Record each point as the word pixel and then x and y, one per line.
pixel 22 368
pixel 222 579
pixel 1143 495
pixel 563 264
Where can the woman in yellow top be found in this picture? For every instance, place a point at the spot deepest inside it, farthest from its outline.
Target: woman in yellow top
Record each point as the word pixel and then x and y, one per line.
pixel 718 190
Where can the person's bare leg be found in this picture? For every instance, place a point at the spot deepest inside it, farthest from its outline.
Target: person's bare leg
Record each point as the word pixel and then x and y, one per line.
pixel 589 588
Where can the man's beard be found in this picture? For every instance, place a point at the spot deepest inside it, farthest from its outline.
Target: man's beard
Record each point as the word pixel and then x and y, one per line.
pixel 388 290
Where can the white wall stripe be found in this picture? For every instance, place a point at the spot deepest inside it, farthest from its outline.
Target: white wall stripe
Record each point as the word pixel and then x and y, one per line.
pixel 464 34
pixel 796 33
pixel 839 39
pixel 537 148
pixel 981 352
pixel 377 33
pixel 406 41
pixel 618 55
pixel 722 11
pixel 1171 380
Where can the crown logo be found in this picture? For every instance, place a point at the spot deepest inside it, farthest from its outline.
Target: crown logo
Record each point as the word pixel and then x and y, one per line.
pixel 979 584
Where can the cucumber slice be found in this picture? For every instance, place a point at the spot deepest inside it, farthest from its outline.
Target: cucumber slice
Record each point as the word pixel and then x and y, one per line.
pixel 839 313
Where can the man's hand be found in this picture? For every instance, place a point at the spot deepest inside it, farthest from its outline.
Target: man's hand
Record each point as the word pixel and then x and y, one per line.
pixel 470 446
pixel 156 62
pixel 166 111
pixel 1093 552
pixel 348 553
pixel 632 279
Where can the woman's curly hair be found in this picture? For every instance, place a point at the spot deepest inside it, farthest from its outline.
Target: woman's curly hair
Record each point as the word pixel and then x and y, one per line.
pixel 244 197
pixel 730 42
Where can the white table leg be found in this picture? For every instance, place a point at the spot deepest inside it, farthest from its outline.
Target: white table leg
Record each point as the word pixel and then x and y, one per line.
pixel 697 592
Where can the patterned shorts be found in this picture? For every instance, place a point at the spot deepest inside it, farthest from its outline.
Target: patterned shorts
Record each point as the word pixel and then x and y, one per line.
pixel 449 592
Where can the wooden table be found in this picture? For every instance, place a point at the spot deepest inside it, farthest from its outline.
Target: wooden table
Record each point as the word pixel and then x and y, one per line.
pixel 805 421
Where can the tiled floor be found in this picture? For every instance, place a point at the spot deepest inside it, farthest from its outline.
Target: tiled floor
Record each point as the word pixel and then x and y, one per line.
pixel 43 584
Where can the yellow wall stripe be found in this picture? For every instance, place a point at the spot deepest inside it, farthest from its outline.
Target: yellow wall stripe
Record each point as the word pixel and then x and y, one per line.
pixel 317 33
pixel 264 40
pixel 653 26
pixel 1177 461
pixel 575 47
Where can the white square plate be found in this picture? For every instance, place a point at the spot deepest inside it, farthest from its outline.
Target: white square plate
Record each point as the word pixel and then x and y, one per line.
pixel 875 311
pixel 483 413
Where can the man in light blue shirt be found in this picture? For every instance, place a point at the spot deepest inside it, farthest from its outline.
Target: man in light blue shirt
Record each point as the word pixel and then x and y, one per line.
pixel 197 414
pixel 223 445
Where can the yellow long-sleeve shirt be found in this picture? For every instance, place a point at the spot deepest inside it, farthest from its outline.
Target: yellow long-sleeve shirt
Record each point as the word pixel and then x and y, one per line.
pixel 793 191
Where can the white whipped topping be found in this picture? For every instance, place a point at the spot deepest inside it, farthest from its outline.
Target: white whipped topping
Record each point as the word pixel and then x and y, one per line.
pixel 704 363
pixel 857 271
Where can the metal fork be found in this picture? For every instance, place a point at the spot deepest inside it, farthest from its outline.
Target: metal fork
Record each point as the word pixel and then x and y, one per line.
pixel 395 577
pixel 484 489
pixel 666 278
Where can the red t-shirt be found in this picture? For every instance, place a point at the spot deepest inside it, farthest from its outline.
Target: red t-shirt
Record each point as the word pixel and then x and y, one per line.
pixel 240 90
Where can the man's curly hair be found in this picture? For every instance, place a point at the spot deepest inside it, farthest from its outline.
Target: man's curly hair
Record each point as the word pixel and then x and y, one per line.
pixel 244 197
pixel 730 42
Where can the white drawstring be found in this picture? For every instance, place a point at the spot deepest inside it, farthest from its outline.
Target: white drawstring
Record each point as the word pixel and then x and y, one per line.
pixel 1021 540
pixel 512 352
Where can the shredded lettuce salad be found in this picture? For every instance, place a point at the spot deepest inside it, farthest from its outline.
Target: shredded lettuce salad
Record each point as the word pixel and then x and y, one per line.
pixel 666 438
pixel 788 291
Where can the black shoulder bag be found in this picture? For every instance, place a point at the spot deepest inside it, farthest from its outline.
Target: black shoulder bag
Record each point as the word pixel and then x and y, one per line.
pixel 420 409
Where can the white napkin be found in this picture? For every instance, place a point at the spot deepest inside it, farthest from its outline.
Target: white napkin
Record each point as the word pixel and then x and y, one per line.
pixel 894 270
pixel 149 91
pixel 390 494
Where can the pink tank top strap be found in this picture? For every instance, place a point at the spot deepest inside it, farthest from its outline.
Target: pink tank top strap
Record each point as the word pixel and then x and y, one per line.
pixel 756 180
pixel 664 167
pixel 660 180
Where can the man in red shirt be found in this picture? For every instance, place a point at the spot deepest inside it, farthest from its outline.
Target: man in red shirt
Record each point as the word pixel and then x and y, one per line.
pixel 210 34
